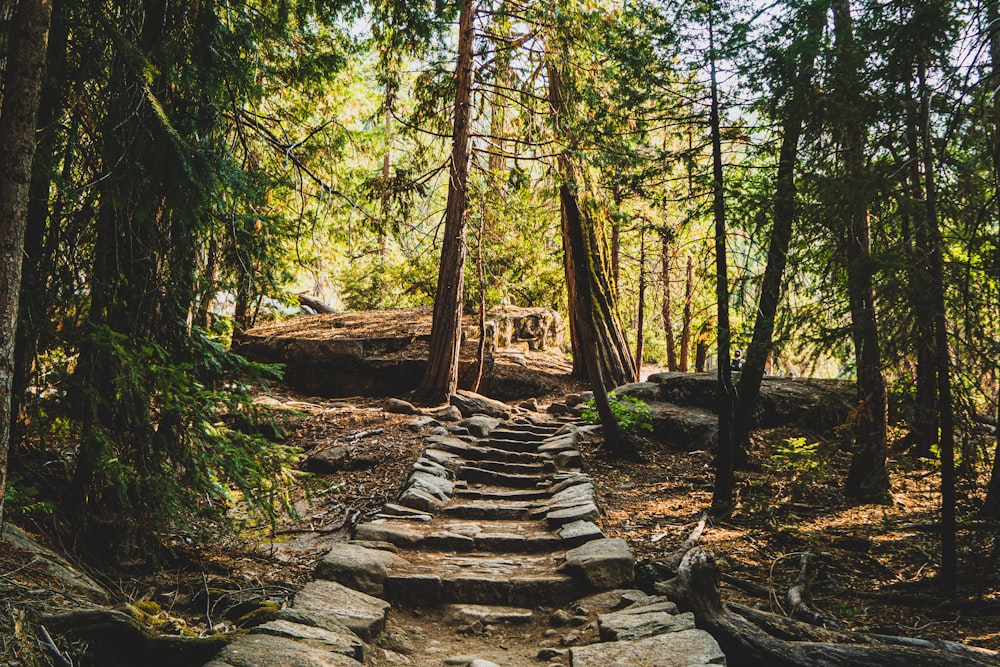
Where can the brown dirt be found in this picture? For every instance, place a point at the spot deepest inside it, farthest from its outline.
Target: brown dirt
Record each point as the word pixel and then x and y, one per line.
pixel 880 561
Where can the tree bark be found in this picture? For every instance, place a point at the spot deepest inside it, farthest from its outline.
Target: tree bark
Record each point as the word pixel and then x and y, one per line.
pixel 725 482
pixel 18 121
pixel 752 638
pixel 686 316
pixel 641 315
pixel 868 478
pixel 441 376
pixel 667 307
pixel 761 344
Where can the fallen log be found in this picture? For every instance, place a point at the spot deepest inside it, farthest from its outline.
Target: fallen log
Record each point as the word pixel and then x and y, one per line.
pixel 752 638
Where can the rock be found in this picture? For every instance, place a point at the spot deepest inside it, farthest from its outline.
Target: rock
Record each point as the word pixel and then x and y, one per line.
pixel 614 599
pixel 479 662
pixel 480 425
pixel 397 642
pixel 398 406
pixel 531 404
pixel 323 601
pixel 605 563
pixel 552 653
pixel 572 399
pixel 363 462
pixel 386 531
pixel 420 499
pixel 470 613
pixel 440 487
pixel 684 428
pixel 557 408
pixel 446 413
pixel 327 460
pixel 359 568
pixel 455 429
pixel 439 430
pixel 258 650
pixel 470 404
pixel 342 641
pixel 559 618
pixel 643 391
pixel 573 511
pixel 676 649
pixel 624 625
pixel 421 422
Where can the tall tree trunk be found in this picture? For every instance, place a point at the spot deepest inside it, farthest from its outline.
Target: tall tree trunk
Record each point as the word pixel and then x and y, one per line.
pixel 618 366
pixel 945 409
pixel 868 478
pixel 924 428
pixel 686 316
pixel 641 315
pixel 991 507
pixel 725 482
pixel 33 304
pixel 588 325
pixel 441 376
pixel 667 307
pixel 18 122
pixel 760 347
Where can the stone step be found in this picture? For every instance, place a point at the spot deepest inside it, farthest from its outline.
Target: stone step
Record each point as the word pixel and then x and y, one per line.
pixel 471 452
pixel 546 468
pixel 501 493
pixel 443 533
pixel 494 510
pixel 529 427
pixel 474 475
pixel 511 445
pixel 506 433
pixel 511 579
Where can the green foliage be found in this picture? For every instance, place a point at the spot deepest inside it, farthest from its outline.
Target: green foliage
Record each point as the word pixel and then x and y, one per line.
pixel 632 414
pixel 21 498
pixel 804 463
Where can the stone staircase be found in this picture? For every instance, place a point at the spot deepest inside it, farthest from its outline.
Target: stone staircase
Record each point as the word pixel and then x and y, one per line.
pixel 496 520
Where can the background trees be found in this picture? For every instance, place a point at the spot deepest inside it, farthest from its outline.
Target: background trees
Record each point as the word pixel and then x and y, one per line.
pixel 199 164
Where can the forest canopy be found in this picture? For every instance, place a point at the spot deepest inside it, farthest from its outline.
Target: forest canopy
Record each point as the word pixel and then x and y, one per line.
pixel 812 181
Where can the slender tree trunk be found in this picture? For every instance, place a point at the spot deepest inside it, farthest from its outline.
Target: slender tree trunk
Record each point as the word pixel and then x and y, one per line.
pixel 441 377
pixel 777 253
pixel 618 367
pixel 686 316
pixel 33 304
pixel 667 307
pixel 945 409
pixel 991 507
pixel 868 478
pixel 725 482
pixel 580 256
pixel 18 122
pixel 641 316
pixel 924 428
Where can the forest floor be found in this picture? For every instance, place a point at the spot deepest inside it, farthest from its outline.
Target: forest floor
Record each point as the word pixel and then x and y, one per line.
pixel 880 561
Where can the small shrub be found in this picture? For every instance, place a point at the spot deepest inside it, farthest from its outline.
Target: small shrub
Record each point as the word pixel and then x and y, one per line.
pixel 804 463
pixel 631 414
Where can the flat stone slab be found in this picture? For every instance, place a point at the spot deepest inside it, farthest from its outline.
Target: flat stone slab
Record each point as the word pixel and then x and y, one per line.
pixel 506 579
pixel 604 564
pixel 624 625
pixel 358 567
pixel 270 651
pixel 387 530
pixel 323 600
pixel 470 613
pixel 344 642
pixel 575 533
pixel 676 649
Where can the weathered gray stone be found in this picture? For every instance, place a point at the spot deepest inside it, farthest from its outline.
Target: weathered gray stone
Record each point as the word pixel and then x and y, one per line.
pixel 327 460
pixel 343 641
pixel 575 533
pixel 447 413
pixel 323 600
pixel 470 403
pixel 530 404
pixel 622 625
pixel 455 429
pixel 436 486
pixel 643 391
pixel 577 510
pixel 676 649
pixel 270 651
pixel 403 511
pixel 357 567
pixel 464 614
pixel 397 642
pixel 422 422
pixel 420 499
pixel 480 425
pixel 480 662
pixel 612 600
pixel 606 563
pixel 399 407
pixel 388 531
